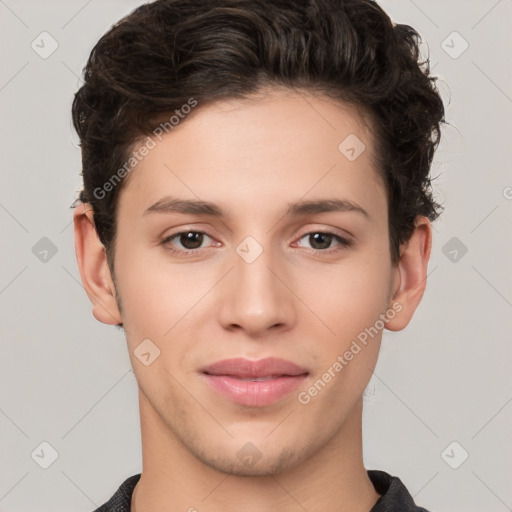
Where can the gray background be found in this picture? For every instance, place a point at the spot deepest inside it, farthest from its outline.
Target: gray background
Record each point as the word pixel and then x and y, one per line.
pixel 66 379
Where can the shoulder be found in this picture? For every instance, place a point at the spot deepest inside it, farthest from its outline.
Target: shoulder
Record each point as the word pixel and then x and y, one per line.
pixel 121 500
pixel 394 495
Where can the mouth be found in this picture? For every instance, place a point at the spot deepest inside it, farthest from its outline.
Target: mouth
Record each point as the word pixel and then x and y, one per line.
pixel 255 379
pixel 254 383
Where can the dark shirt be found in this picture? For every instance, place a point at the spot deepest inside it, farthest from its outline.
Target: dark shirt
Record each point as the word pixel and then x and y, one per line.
pixel 394 495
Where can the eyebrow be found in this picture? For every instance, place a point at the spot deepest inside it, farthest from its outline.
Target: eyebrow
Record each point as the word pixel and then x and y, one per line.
pixel 296 209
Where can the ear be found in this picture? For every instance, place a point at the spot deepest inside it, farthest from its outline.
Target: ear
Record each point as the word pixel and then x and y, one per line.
pixel 94 271
pixel 410 276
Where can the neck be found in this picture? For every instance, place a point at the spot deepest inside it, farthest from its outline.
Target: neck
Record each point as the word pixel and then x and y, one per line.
pixel 173 479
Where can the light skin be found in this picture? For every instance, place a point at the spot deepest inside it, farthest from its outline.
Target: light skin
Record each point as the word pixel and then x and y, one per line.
pixel 304 299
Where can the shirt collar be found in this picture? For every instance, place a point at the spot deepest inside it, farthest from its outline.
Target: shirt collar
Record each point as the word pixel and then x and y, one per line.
pixel 394 495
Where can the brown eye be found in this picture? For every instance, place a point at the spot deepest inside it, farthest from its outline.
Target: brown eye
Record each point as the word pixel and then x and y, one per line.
pixel 191 239
pixel 322 241
pixel 185 241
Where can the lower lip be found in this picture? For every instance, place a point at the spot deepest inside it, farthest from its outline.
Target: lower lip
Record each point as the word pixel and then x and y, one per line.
pixel 254 393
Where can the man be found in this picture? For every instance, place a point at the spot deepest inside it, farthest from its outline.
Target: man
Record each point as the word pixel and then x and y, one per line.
pixel 256 210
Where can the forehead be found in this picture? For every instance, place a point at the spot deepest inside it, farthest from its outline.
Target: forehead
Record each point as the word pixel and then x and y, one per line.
pixel 277 145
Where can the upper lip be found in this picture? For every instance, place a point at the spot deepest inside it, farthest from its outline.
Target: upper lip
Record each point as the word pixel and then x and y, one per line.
pixel 245 368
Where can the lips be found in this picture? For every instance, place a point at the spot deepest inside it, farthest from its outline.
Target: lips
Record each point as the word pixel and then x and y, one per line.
pixel 254 383
pixel 264 369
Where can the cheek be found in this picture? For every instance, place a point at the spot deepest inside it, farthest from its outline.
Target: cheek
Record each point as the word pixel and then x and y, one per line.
pixel 348 296
pixel 350 303
pixel 146 292
pixel 156 295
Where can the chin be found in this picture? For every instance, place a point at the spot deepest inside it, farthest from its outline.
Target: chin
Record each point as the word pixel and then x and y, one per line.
pixel 257 464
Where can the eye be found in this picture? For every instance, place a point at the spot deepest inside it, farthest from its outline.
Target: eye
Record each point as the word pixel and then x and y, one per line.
pixel 188 242
pixel 322 240
pixel 191 241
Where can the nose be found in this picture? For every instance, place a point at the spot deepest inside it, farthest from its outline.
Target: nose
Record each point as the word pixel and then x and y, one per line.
pixel 256 297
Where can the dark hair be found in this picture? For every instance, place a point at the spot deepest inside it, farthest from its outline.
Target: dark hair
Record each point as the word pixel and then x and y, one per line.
pixel 165 53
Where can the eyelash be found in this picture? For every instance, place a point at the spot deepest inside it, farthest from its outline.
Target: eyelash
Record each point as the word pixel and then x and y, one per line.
pixel 344 243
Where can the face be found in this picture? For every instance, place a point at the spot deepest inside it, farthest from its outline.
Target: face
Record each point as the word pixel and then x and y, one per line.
pixel 289 259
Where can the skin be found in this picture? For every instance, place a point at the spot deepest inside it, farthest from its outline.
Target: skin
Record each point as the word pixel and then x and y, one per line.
pixel 253 157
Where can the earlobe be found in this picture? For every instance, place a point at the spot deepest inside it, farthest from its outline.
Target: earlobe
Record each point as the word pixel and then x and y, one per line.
pixel 94 271
pixel 410 275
